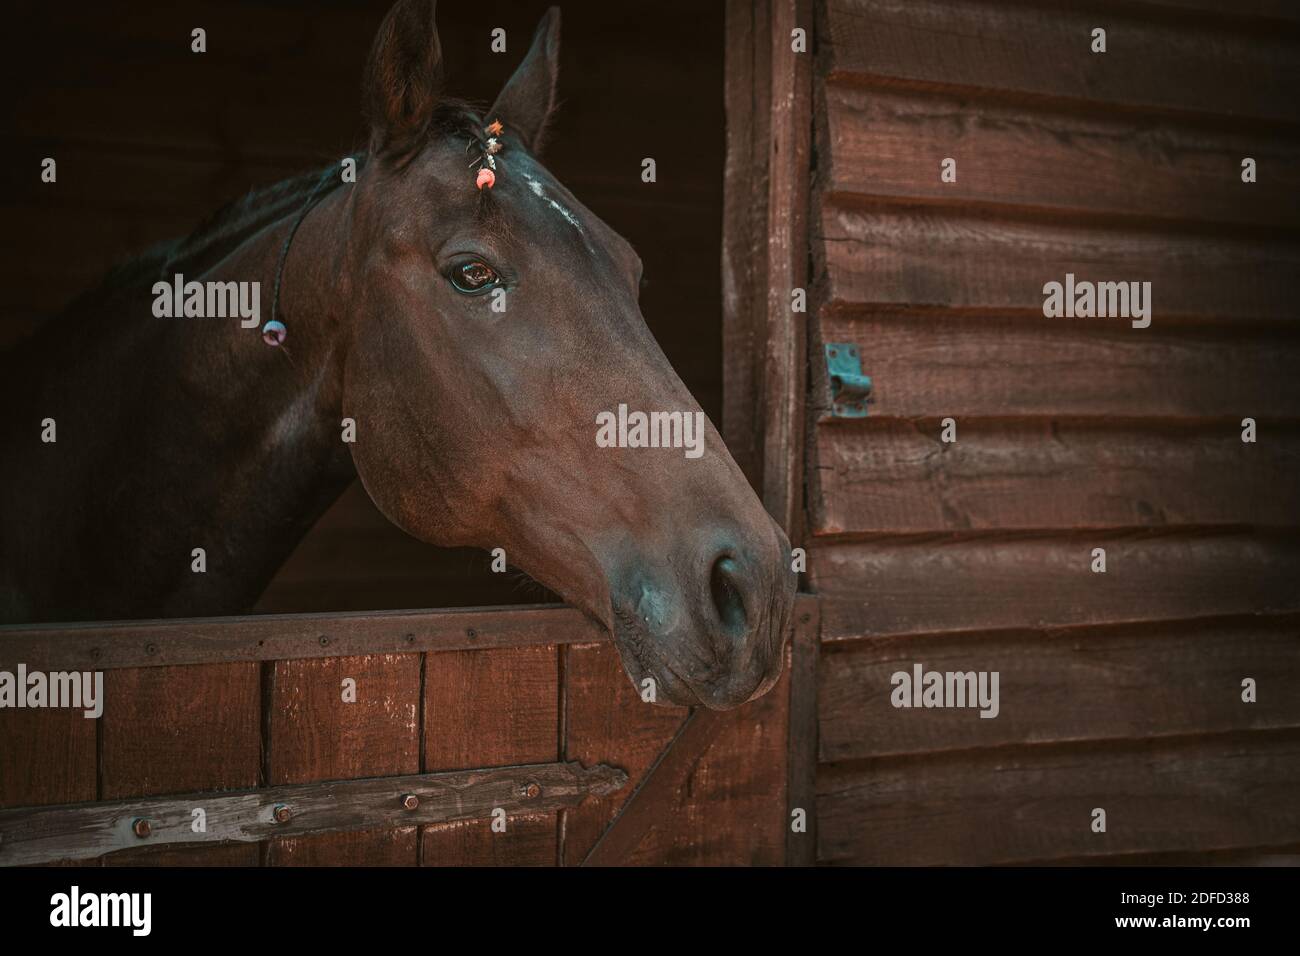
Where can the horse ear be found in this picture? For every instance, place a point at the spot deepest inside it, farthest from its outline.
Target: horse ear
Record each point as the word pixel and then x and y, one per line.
pixel 526 102
pixel 403 76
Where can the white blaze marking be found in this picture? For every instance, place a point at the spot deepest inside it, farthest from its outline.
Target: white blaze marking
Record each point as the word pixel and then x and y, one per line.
pixel 569 217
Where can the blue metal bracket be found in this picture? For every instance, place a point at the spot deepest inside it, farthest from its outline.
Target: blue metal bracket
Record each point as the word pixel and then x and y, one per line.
pixel 850 389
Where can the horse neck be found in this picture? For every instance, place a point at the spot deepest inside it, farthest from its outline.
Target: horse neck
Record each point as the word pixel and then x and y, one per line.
pixel 183 433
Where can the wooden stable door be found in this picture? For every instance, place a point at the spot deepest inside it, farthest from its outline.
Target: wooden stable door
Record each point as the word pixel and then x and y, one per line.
pixel 492 736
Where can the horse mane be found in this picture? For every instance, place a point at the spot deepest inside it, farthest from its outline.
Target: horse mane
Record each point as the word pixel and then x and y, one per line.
pixel 231 225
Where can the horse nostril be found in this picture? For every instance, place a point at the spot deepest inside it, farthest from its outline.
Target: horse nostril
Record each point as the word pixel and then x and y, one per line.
pixel 724 583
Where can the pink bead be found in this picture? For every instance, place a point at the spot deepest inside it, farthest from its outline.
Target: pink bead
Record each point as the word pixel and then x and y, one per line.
pixel 485 178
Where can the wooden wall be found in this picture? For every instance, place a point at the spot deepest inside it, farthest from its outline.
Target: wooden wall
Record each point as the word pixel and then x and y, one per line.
pixel 1119 690
pixel 151 138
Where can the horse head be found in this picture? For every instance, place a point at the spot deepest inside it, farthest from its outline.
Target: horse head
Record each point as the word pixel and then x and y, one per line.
pixel 516 398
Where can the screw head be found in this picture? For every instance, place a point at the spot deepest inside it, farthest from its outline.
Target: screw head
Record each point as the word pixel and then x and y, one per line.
pixel 410 801
pixel 532 790
pixel 282 813
pixel 141 828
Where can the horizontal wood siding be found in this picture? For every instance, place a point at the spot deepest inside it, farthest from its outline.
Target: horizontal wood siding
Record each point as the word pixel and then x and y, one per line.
pixel 1122 689
pixel 1027 804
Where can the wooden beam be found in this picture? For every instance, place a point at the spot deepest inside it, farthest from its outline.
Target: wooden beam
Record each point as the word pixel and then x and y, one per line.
pixel 1116 683
pixel 787 264
pixel 1034 804
pixel 1017 580
pixel 882 475
pixel 1026 52
pixel 747 90
pixel 801 768
pixel 650 802
pixel 278 637
pixel 83 831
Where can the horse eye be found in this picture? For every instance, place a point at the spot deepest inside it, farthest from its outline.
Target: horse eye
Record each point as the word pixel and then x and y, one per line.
pixel 471 278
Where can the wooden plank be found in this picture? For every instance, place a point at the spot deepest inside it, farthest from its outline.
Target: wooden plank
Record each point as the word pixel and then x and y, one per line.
pixel 934 583
pixel 1170 66
pixel 880 256
pixel 314 733
pixel 306 811
pixel 46 756
pixel 887 475
pixel 789 171
pixel 529 840
pixel 890 144
pixel 395 846
pixel 937 365
pixel 180 729
pixel 804 653
pixel 222 854
pixel 1207 793
pixel 709 798
pixel 1264 10
pixel 647 804
pixel 607 722
pixel 1131 683
pixel 731 808
pixel 177 729
pixel 747 81
pixel 277 637
pixel 490 708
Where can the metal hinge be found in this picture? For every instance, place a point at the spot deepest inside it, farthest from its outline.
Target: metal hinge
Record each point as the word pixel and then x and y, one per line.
pixel 850 389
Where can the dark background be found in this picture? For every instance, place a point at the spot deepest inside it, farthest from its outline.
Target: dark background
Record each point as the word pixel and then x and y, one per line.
pixel 150 138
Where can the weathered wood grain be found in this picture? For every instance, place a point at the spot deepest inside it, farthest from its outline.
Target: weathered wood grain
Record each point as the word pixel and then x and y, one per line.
pixel 732 808
pixel 394 846
pixel 714 794
pixel 607 722
pixel 649 803
pixel 789 173
pixel 46 756
pixel 933 583
pixel 887 143
pixel 1045 52
pixel 278 637
pixel 803 653
pixel 935 365
pixel 1113 683
pixel 492 708
pixel 881 256
pixel 887 475
pixel 84 831
pixel 215 855
pixel 529 840
pixel 180 729
pixel 1245 12
pixel 747 91
pixel 1206 793
pixel 313 734
pixel 177 729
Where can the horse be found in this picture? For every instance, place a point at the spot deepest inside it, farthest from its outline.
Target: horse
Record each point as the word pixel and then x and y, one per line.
pixel 470 321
